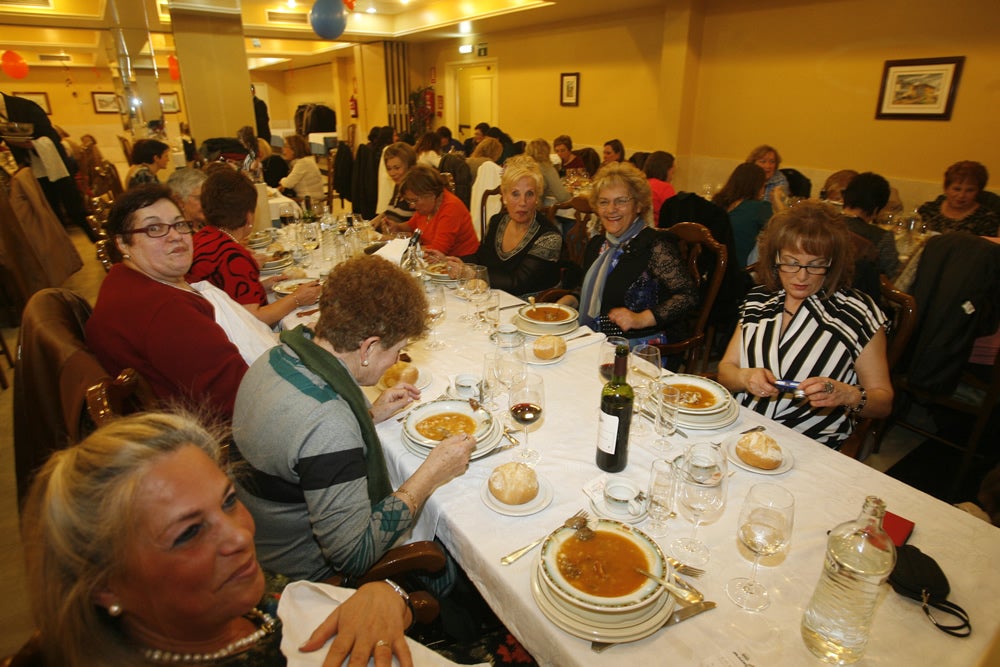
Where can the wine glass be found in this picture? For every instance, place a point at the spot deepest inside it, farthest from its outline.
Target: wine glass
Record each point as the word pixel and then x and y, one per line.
pixel 466 272
pixel 435 313
pixel 510 366
pixel 606 357
pixel 764 527
pixel 491 384
pixel 661 496
pixel 478 287
pixel 491 310
pixel 527 398
pixel 664 398
pixel 644 369
pixel 701 491
pixel 286 214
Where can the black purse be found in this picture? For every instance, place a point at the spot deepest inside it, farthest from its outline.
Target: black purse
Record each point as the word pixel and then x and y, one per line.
pixel 919 577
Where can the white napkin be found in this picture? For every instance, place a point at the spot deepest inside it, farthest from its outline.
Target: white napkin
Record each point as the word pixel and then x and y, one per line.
pixel 583 341
pixel 393 250
pixel 45 160
pixel 304 604
pixel 246 332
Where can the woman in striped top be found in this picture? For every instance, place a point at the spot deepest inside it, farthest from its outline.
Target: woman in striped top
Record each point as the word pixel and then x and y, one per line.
pixel 805 324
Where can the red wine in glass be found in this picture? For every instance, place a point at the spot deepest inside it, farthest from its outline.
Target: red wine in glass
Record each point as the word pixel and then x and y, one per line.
pixel 605 370
pixel 526 413
pixel 286 220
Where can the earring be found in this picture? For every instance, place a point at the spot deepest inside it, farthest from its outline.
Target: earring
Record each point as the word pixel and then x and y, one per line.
pixel 364 362
pixel 126 256
pixel 115 609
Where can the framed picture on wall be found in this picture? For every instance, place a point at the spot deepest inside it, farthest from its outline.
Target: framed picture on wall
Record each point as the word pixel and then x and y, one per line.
pixel 41 99
pixel 170 102
pixel 569 89
pixel 920 89
pixel 106 103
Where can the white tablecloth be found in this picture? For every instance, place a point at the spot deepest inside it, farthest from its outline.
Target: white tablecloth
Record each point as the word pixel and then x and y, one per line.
pixel 829 488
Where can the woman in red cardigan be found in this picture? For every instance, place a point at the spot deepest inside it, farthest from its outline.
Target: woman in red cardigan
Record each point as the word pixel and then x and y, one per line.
pixel 445 223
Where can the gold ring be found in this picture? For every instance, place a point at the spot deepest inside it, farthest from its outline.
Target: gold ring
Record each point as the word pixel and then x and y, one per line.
pixel 828 387
pixel 381 642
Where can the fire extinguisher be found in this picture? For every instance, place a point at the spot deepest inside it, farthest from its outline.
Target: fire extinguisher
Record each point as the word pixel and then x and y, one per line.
pixel 429 100
pixel 353 104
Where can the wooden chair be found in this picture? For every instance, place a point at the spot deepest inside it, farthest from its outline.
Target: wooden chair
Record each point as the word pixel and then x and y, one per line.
pixel 579 233
pixel 485 207
pixel 696 240
pixel 10 361
pixel 902 320
pixel 110 398
pixel 331 156
pixel 126 145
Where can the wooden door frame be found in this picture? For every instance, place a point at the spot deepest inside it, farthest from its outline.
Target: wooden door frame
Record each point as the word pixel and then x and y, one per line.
pixel 450 117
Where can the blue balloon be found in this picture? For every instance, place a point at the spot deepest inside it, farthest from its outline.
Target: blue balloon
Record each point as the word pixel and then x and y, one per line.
pixel 328 18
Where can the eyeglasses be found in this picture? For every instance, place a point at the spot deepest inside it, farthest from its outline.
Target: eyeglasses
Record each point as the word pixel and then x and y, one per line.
pixel 618 202
pixel 810 269
pixel 413 200
pixel 160 229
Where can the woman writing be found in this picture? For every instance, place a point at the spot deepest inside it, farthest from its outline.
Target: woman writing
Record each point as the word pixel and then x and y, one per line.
pixel 305 177
pixel 445 222
pixel 148 317
pixel 521 248
pixel 319 490
pixel 229 202
pixel 805 324
pixel 958 209
pixel 636 284
pixel 139 552
pixel 741 197
pixel 399 158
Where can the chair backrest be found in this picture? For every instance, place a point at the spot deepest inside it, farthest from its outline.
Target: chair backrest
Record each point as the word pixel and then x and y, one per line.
pixel 126 145
pixel 109 399
pixel 694 241
pixel 488 209
pixel 331 156
pixel 902 318
pixel 487 178
pixel 104 253
pixel 54 369
pixel 455 166
pixel 580 232
pixel 799 184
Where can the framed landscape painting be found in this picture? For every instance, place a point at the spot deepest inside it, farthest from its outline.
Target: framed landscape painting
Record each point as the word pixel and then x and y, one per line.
pixel 105 103
pixel 921 89
pixel 170 102
pixel 569 89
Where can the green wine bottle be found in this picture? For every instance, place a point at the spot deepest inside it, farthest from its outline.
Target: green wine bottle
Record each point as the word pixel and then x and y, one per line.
pixel 616 417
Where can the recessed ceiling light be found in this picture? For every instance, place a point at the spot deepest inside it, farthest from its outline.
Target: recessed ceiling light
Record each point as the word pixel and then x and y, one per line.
pixel 465 48
pixel 371 7
pixel 465 27
pixel 291 4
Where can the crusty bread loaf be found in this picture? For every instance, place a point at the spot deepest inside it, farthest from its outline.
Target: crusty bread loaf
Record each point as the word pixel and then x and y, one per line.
pixel 400 372
pixel 549 347
pixel 759 450
pixel 514 483
pixel 295 272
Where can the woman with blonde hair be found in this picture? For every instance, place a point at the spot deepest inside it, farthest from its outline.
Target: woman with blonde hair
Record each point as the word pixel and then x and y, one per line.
pixel 521 248
pixel 305 177
pixel 767 158
pixel 138 551
pixel 554 193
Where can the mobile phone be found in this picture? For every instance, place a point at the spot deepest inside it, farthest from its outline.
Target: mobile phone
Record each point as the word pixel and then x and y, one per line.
pixel 791 387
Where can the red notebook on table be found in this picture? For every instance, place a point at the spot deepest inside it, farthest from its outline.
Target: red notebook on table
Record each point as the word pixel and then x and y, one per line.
pixel 897 527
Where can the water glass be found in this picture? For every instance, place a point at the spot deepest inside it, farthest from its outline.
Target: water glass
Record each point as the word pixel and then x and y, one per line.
pixel 764 527
pixel 644 370
pixel 702 482
pixel 664 399
pixel 660 497
pixel 491 310
pixel 490 386
pixel 435 313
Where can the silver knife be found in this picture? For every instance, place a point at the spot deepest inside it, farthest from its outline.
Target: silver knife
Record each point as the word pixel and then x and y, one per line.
pixel 682 614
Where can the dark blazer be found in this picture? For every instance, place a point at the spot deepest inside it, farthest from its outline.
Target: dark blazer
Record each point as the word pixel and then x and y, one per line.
pixel 20 110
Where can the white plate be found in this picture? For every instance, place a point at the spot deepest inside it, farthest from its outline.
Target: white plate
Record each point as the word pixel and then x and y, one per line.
pixel 727 418
pixel 532 329
pixel 483 447
pixel 536 504
pixel 646 594
pixel 579 628
pixel 437 275
pixel 721 394
pixel 484 420
pixel 424 379
pixel 571 315
pixel 530 358
pixel 602 510
pixel 289 286
pixel 787 460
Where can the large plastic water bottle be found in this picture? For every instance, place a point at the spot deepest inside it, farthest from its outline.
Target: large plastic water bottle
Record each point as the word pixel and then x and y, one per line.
pixel 859 558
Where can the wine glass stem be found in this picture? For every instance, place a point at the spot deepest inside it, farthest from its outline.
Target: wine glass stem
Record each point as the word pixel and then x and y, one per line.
pixel 694 528
pixel 753 572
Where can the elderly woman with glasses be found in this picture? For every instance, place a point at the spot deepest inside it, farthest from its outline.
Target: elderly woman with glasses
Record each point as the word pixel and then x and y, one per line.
pixel 806 326
pixel 636 284
pixel 444 221
pixel 148 317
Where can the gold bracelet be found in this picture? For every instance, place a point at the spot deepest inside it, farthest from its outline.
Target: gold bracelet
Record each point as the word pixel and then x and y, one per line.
pixel 296 297
pixel 414 505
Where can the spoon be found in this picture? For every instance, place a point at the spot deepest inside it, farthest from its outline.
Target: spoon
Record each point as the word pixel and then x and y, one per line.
pixel 577 522
pixel 753 430
pixel 681 594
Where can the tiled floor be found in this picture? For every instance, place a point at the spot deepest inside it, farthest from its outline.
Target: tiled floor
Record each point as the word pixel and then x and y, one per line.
pixel 15 618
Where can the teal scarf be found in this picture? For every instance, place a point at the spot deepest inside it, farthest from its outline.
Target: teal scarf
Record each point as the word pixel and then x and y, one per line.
pixel 328 367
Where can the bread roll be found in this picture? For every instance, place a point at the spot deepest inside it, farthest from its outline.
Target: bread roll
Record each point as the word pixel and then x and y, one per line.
pixel 295 272
pixel 759 450
pixel 549 347
pixel 400 372
pixel 514 483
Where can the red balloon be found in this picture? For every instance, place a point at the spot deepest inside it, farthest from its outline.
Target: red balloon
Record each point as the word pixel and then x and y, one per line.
pixel 11 57
pixel 349 4
pixel 16 70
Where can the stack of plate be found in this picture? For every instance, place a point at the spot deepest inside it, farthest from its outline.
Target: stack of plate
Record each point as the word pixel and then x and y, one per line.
pixel 488 433
pixel 258 240
pixel 721 411
pixel 625 618
pixel 439 273
pixel 546 318
pixel 275 265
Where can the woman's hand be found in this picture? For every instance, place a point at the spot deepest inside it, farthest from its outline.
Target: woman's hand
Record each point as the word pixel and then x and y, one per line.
pixel 271 281
pixel 307 294
pixel 392 400
pixel 627 320
pixel 569 300
pixel 447 460
pixel 759 382
pixel 369 624
pixel 432 256
pixel 825 392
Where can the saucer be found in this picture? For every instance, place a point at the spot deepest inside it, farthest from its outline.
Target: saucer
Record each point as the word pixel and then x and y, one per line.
pixel 536 504
pixel 603 510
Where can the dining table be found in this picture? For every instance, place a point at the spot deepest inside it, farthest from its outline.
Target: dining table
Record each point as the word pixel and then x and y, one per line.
pixel 828 487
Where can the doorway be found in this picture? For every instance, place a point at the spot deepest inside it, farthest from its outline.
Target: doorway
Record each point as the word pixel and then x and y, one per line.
pixel 470 96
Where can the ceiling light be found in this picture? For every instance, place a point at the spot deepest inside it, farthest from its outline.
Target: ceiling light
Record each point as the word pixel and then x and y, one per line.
pixel 371 7
pixel 465 48
pixel 465 27
pixel 291 4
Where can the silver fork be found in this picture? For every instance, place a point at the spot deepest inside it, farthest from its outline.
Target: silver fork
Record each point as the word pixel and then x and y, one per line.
pixel 514 555
pixel 688 570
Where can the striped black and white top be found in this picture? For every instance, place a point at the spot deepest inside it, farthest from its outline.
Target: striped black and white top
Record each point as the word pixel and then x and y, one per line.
pixel 823 339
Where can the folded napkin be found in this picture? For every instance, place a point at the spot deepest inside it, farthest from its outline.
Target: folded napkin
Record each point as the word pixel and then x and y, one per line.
pixel 46 161
pixel 251 336
pixel 583 341
pixel 305 604
pixel 393 250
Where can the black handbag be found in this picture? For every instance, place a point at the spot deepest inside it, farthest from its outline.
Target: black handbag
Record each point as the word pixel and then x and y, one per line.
pixel 919 577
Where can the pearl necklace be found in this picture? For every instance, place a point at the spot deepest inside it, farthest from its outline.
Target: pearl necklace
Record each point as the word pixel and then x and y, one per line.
pixel 267 626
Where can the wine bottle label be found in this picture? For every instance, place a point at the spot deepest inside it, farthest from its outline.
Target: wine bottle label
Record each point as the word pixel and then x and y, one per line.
pixel 607 433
